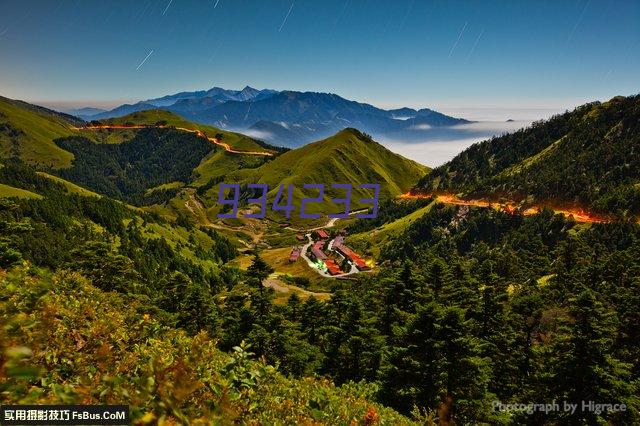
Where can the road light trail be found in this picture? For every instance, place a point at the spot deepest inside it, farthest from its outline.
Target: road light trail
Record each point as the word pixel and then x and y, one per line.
pixel 579 215
pixel 198 133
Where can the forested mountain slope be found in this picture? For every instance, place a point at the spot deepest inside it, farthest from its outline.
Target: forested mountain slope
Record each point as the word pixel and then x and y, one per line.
pixel 71 343
pixel 588 158
pixel 127 170
pixel 480 305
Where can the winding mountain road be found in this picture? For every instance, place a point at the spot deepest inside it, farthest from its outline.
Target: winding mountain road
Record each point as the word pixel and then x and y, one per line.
pixel 330 223
pixel 578 215
pixel 275 282
pixel 198 133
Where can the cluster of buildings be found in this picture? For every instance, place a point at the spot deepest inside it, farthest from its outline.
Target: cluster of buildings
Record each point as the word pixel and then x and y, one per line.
pixel 317 253
pixel 338 245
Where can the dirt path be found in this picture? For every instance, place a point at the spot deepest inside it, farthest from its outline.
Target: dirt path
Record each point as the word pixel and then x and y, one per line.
pixel 330 223
pixel 274 282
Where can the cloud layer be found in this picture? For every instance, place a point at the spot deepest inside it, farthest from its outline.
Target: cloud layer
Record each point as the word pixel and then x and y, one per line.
pixel 435 146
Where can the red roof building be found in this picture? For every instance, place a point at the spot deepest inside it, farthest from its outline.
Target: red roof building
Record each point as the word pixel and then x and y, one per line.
pixel 295 254
pixel 316 250
pixel 352 256
pixel 332 267
pixel 299 237
pixel 321 233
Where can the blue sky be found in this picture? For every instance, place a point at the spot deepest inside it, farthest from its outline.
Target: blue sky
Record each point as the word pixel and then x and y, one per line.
pixel 445 54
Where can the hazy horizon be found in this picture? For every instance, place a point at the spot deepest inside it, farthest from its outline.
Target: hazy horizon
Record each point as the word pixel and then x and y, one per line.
pixel 432 152
pixel 486 112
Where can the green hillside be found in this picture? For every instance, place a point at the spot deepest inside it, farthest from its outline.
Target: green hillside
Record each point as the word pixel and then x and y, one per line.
pixel 71 187
pixel 371 241
pixel 221 163
pixel 102 302
pixel 151 117
pixel 63 216
pixel 27 131
pixel 347 157
pixel 584 158
pixel 7 191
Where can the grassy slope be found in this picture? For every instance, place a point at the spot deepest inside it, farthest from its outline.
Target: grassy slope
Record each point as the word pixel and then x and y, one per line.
pixel 34 128
pixel 222 163
pixel 235 140
pixel 346 157
pixel 66 342
pixel 165 186
pixel 108 136
pixel 372 241
pixel 189 241
pixel 7 191
pixel 71 187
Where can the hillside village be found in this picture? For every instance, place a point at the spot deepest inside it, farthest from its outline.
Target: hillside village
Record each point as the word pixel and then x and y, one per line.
pixel 328 255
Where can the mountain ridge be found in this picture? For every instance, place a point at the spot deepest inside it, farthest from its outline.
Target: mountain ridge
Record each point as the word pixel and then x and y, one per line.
pixel 298 117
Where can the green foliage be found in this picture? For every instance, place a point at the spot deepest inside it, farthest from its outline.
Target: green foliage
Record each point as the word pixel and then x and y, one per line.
pixel 259 269
pixel 8 256
pixel 64 341
pixel 388 212
pixel 105 267
pixel 584 364
pixel 439 360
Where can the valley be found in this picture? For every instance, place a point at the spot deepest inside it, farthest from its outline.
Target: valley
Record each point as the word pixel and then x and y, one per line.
pixel 258 236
